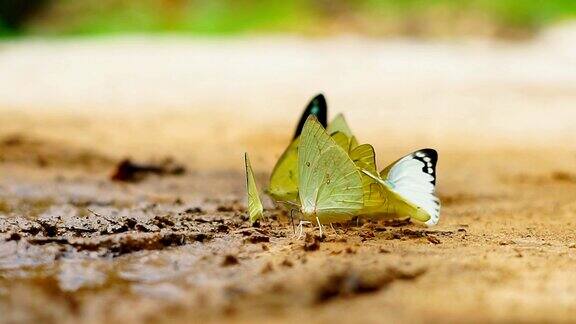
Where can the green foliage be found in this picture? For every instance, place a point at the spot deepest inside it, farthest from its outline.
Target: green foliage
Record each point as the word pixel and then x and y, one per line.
pixel 65 17
pixel 4 31
pixel 194 16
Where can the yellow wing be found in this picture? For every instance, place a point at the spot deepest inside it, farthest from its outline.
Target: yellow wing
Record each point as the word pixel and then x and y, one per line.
pixel 339 124
pixel 394 204
pixel 255 208
pixel 284 178
pixel 341 140
pixel 364 157
pixel 330 183
pixel 341 133
pixel 374 194
pixel 353 143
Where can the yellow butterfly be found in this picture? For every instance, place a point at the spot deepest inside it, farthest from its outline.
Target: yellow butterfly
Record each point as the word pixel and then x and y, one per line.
pixel 339 129
pixel 284 178
pixel 255 208
pixel 364 158
pixel 330 184
pixel 339 124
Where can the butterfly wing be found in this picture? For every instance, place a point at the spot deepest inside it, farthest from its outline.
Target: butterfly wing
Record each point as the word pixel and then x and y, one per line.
pixel 255 208
pixel 316 107
pixel 284 179
pixel 341 140
pixel 353 143
pixel 411 181
pixel 330 184
pixel 427 156
pixel 339 124
pixel 364 157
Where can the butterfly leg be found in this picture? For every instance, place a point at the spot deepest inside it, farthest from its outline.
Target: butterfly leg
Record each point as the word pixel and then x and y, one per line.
pixel 335 231
pixel 319 226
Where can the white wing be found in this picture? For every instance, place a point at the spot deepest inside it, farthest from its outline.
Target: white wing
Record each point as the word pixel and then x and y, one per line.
pixel 414 178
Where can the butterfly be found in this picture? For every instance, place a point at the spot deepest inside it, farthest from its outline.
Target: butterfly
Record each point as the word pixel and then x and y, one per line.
pixel 404 188
pixel 340 131
pixel 330 184
pixel 284 178
pixel 255 208
pixel 317 107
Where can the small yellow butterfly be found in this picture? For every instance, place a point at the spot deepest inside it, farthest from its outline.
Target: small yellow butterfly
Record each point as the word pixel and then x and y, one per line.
pixel 330 184
pixel 284 178
pixel 255 208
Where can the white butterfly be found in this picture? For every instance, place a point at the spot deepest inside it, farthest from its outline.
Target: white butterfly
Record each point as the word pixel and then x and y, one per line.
pixel 410 187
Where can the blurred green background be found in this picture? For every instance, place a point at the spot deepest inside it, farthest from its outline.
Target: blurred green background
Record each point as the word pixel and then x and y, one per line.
pixel 420 18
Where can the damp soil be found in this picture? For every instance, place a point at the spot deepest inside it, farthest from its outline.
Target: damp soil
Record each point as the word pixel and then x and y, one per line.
pixel 77 246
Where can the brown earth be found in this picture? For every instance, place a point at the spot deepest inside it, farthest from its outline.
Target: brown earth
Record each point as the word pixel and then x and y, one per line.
pixel 78 247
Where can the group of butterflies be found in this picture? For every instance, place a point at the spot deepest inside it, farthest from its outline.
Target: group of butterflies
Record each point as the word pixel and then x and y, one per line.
pixel 330 178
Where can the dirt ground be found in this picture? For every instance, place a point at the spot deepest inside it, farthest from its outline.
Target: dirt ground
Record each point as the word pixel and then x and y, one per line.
pixel 78 247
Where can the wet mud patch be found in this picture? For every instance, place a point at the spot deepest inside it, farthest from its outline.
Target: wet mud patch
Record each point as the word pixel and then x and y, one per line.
pixel 26 150
pixel 432 236
pixel 109 231
pixel 129 171
pixel 351 283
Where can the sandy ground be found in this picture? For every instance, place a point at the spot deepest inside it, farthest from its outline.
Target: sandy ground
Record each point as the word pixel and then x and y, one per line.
pixel 77 247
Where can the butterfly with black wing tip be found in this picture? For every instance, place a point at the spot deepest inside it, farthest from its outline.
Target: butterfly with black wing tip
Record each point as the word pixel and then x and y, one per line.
pixel 284 178
pixel 410 187
pixel 317 107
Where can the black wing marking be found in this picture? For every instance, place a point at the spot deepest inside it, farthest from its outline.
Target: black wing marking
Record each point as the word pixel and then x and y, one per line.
pixel 430 158
pixel 316 107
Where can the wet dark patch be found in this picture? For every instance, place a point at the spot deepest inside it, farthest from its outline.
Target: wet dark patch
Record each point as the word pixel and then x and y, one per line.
pixel 351 283
pixel 430 235
pixel 25 150
pixel 115 232
pixel 396 222
pixel 120 244
pixel 128 171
